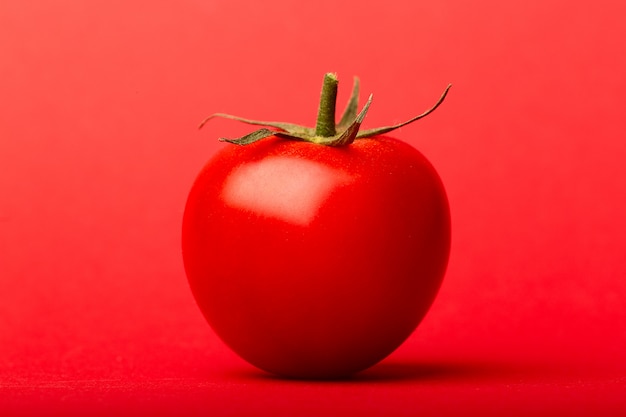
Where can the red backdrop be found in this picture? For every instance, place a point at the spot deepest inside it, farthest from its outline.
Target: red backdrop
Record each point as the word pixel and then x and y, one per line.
pixel 99 104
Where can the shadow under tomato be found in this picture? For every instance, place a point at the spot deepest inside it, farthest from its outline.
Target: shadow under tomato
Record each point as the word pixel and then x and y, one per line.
pixel 395 371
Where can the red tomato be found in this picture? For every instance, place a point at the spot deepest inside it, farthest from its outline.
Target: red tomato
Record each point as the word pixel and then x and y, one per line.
pixel 315 261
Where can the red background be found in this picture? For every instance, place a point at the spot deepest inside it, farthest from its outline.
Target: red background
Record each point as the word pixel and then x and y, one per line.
pixel 99 103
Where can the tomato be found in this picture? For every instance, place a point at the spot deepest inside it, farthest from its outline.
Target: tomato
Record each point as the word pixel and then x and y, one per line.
pixel 315 261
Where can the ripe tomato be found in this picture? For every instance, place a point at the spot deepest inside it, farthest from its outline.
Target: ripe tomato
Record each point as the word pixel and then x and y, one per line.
pixel 315 261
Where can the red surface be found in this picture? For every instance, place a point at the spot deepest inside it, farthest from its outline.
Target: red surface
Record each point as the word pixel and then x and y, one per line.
pixel 99 103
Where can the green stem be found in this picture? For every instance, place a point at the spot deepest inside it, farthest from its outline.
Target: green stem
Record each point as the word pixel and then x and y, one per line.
pixel 325 126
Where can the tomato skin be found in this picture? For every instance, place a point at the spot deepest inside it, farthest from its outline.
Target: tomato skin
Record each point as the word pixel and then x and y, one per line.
pixel 312 261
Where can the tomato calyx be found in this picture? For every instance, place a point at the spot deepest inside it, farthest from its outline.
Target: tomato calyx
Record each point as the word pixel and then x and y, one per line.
pixel 326 131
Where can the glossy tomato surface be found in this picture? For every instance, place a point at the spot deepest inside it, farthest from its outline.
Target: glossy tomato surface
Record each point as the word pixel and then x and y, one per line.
pixel 312 261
